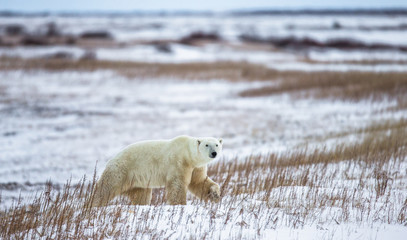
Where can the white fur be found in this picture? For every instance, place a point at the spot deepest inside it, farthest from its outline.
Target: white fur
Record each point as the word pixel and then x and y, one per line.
pixel 158 163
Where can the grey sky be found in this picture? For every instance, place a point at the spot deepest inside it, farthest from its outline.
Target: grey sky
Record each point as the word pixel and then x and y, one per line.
pixel 215 5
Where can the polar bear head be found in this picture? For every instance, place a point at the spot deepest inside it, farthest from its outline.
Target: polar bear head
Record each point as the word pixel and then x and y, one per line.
pixel 208 149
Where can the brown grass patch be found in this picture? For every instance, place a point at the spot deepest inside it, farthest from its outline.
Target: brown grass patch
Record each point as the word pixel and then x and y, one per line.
pixel 342 85
pixel 234 71
pixel 375 128
pixel 382 142
pixel 357 62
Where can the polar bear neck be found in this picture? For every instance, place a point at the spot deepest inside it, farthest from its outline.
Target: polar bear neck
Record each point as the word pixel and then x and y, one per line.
pixel 194 154
pixel 188 150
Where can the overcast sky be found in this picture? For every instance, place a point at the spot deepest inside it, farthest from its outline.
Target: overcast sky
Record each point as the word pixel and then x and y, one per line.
pixel 167 5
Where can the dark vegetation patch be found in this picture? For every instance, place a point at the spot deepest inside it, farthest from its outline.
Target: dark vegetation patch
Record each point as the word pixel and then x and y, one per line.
pixel 96 35
pixel 196 37
pixel 49 34
pixel 292 42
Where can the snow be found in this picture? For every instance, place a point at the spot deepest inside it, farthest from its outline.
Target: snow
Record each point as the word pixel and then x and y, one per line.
pixel 345 231
pixel 283 61
pixel 38 52
pixel 248 216
pixel 132 29
pixel 338 55
pixel 60 124
pixel 148 53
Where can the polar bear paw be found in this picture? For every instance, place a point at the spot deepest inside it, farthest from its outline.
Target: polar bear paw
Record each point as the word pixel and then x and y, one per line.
pixel 214 193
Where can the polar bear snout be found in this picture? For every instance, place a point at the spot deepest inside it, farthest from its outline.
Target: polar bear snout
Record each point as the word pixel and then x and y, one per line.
pixel 213 154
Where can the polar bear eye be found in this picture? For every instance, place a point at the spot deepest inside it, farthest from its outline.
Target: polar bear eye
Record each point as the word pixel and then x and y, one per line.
pixel 206 145
pixel 216 145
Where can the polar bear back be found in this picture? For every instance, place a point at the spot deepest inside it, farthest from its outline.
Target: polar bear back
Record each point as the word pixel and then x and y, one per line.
pixel 147 164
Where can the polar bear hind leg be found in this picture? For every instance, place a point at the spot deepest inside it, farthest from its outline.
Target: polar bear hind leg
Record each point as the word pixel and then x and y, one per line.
pixel 109 186
pixel 139 196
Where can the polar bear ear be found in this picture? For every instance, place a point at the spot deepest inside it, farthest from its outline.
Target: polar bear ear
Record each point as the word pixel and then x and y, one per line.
pixel 220 140
pixel 199 142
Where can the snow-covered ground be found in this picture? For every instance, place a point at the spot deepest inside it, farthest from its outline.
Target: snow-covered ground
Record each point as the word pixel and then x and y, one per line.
pixel 284 61
pixel 340 202
pixel 131 29
pixel 58 125
pixel 321 27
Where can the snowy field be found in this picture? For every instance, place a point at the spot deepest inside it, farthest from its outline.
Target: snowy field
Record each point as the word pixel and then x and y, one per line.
pixel 320 153
pixel 135 38
pixel 380 28
pixel 58 125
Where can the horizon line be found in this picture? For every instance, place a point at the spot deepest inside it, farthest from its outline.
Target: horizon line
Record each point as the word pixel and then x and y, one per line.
pixel 271 10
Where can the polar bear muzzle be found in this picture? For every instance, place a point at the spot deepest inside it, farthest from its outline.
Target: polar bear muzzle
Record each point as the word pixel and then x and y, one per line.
pixel 212 150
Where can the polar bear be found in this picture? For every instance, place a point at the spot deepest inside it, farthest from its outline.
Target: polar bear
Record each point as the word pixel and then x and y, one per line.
pixel 177 164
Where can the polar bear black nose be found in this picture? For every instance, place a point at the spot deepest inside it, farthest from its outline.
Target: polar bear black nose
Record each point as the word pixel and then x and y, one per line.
pixel 214 154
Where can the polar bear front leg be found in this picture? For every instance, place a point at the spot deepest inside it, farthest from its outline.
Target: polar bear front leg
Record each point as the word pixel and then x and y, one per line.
pixel 204 187
pixel 139 196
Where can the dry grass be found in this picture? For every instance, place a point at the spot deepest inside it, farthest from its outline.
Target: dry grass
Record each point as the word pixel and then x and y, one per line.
pixel 357 62
pixel 343 185
pixel 233 71
pixel 343 85
pixel 382 143
pixel 335 85
pixel 375 128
